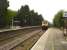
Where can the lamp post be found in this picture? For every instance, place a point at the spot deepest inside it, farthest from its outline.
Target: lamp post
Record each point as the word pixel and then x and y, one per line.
pixel 65 23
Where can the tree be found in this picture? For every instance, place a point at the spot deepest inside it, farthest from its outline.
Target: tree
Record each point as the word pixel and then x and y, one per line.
pixel 58 19
pixel 3 8
pixel 27 17
pixel 9 15
pixel 35 19
pixel 40 19
pixel 23 14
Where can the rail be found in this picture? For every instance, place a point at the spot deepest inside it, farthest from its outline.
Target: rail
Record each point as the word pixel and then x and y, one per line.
pixel 15 40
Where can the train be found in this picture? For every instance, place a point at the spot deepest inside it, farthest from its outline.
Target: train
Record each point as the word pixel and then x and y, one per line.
pixel 44 25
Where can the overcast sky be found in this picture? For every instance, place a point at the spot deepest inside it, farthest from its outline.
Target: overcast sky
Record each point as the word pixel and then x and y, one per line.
pixel 48 8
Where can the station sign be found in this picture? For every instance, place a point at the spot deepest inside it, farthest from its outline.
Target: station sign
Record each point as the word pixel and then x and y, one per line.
pixel 65 14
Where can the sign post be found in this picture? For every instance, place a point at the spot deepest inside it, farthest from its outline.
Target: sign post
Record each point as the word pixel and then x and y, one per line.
pixel 65 23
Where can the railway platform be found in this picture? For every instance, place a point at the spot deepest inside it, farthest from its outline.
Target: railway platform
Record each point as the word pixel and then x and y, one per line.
pixel 52 39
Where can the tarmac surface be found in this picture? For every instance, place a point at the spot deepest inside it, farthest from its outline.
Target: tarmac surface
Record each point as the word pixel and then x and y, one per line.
pixel 52 39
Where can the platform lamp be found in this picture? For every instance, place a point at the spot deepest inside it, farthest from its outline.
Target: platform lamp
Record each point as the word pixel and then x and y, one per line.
pixel 65 23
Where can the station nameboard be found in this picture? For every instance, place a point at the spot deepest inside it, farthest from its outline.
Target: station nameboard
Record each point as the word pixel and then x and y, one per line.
pixel 65 14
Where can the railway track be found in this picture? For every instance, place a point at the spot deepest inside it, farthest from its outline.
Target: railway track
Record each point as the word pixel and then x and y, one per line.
pixel 8 35
pixel 28 43
pixel 11 40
